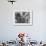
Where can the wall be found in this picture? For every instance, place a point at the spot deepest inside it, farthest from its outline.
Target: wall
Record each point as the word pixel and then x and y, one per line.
pixel 7 29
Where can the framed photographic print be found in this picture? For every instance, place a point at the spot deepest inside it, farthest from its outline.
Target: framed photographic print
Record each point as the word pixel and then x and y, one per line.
pixel 23 18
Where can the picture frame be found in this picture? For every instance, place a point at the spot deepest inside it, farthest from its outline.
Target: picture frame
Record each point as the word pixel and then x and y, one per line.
pixel 23 17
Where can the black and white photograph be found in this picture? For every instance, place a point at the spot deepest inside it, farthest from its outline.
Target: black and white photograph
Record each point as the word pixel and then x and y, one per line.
pixel 23 18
